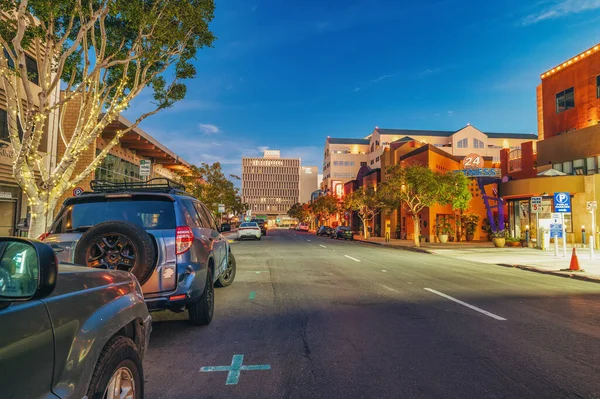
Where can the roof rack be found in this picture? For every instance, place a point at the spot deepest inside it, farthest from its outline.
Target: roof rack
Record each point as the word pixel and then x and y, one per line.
pixel 158 184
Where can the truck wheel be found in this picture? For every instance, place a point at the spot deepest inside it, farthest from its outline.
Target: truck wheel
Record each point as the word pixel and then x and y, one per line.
pixel 201 311
pixel 119 372
pixel 117 245
pixel 228 275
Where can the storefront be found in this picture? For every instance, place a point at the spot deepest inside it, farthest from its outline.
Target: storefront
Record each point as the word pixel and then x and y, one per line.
pixel 517 194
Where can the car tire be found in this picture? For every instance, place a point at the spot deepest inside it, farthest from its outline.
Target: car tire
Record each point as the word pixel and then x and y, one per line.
pixel 228 275
pixel 138 242
pixel 120 355
pixel 259 238
pixel 201 311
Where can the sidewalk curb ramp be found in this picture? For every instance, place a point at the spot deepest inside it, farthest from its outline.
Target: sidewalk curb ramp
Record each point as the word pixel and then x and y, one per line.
pixel 574 276
pixel 400 247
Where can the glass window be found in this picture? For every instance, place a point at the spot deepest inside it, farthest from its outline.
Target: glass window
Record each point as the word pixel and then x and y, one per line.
pixel 11 63
pixel 206 216
pixel 558 166
pixel 568 167
pixel 478 143
pixel 591 165
pixel 598 86
pixel 464 143
pixel 113 168
pixel 4 125
pixel 32 70
pixel 363 164
pixel 192 218
pixel 578 166
pixel 565 100
pixel 155 214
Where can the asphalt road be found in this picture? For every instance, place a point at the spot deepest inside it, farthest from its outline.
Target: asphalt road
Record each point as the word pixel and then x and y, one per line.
pixel 320 318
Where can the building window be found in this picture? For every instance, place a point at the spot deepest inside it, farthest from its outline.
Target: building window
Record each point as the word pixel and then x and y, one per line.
pixel 11 63
pixel 363 164
pixel 478 143
pixel 464 143
pixel 598 86
pixel 377 159
pixel 568 167
pixel 113 168
pixel 372 161
pixel 4 125
pixel 565 100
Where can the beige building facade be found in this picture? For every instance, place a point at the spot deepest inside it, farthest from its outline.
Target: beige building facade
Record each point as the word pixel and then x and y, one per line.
pixel 309 182
pixel 271 184
pixel 341 161
pixel 462 142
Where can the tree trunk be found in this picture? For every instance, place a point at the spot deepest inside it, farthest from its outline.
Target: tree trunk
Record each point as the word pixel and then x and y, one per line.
pixel 39 220
pixel 365 229
pixel 417 230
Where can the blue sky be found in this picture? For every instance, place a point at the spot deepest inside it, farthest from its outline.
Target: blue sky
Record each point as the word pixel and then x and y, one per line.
pixel 287 74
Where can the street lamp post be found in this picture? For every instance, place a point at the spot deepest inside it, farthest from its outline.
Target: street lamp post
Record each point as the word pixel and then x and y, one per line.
pixel 583 234
pixel 527 235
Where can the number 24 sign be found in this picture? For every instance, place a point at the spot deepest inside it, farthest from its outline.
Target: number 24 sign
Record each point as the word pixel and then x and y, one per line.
pixel 473 161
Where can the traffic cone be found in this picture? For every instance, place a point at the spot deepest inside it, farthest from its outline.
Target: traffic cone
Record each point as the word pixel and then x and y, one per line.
pixel 574 266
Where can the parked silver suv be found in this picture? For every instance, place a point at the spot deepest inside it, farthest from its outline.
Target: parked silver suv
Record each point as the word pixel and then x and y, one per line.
pixel 68 332
pixel 155 230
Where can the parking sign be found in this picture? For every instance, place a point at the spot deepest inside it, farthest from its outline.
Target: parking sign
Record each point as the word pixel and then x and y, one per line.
pixel 536 204
pixel 562 202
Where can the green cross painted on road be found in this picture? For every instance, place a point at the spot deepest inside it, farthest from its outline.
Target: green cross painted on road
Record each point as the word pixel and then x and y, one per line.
pixel 236 367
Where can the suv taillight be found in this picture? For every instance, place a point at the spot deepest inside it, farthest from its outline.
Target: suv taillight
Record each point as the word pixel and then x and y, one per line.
pixel 183 239
pixel 43 236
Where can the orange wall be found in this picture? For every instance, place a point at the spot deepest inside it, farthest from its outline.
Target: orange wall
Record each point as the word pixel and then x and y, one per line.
pixel 581 75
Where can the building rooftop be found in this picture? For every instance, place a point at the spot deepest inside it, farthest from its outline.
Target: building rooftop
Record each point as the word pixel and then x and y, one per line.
pixel 347 141
pixel 570 62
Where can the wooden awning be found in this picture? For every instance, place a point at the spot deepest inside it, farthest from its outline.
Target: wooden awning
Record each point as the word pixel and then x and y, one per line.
pixel 145 145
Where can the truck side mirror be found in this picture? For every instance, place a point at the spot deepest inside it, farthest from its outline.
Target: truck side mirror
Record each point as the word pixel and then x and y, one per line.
pixel 28 269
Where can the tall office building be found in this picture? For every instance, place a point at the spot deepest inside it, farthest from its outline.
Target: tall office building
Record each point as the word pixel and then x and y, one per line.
pixel 271 184
pixel 309 182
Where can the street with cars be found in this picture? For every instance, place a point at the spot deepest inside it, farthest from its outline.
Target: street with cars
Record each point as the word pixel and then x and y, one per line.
pixel 310 317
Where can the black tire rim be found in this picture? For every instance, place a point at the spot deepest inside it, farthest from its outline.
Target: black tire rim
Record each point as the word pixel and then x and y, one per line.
pixel 111 251
pixel 229 271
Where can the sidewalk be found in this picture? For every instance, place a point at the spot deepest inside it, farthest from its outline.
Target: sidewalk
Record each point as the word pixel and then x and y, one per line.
pixel 524 258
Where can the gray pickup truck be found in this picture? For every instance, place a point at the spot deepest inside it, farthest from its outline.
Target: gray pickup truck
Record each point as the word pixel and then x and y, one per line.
pixel 68 331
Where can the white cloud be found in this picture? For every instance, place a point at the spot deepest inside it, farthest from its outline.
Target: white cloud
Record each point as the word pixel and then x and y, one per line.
pixel 207 128
pixel 559 8
pixel 383 77
pixel 450 113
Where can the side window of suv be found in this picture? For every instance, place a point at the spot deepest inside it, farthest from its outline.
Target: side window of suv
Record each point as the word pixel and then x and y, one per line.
pixel 207 217
pixel 191 216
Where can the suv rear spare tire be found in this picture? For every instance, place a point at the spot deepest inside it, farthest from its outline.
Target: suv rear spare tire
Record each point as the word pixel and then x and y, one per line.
pixel 117 245
pixel 226 279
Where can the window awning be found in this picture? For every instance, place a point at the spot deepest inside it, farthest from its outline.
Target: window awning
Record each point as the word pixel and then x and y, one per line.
pixel 145 145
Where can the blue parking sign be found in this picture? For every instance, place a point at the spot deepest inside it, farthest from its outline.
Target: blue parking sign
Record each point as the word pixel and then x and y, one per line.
pixel 562 202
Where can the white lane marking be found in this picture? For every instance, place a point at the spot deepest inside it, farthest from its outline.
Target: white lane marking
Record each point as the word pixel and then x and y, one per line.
pixel 384 271
pixel 475 308
pixel 388 288
pixel 322 246
pixel 350 257
pixel 308 240
pixel 333 250
pixel 409 282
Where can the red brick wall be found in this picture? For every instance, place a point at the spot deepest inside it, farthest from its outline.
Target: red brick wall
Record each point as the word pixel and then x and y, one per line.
pixel 581 75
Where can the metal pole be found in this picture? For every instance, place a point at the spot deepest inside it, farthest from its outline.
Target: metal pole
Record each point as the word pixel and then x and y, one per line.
pixel 564 233
pixel 555 244
pixel 537 231
pixel 593 237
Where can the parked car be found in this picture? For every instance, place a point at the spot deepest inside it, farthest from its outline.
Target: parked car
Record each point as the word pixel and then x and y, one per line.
pixel 249 230
pixel 293 226
pixel 344 232
pixel 302 227
pixel 68 331
pixel 262 224
pixel 225 227
pixel 325 231
pixel 155 230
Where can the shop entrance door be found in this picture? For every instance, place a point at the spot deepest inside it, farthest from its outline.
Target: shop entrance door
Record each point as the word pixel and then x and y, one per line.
pixel 8 211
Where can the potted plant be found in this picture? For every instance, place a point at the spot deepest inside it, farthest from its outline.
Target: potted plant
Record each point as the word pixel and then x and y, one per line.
pixel 444 229
pixel 512 242
pixel 470 221
pixel 499 238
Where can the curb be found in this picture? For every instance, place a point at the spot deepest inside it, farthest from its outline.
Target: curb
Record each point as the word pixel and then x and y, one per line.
pixel 402 248
pixel 553 272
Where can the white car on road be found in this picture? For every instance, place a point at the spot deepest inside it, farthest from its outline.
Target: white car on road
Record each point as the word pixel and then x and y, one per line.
pixel 249 230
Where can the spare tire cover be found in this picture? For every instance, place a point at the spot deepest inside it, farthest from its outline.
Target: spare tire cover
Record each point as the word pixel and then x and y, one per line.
pixel 117 245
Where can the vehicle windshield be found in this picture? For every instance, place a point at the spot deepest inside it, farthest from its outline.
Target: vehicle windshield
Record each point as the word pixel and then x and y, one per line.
pixel 344 228
pixel 151 215
pixel 249 224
